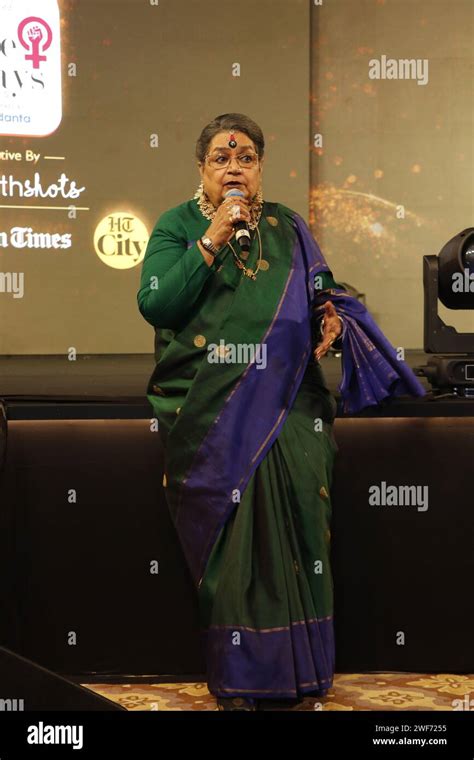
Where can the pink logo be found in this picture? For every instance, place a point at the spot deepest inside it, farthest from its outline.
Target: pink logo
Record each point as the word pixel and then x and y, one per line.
pixel 36 39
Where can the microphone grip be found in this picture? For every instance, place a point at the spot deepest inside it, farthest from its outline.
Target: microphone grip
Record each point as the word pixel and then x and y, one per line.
pixel 242 235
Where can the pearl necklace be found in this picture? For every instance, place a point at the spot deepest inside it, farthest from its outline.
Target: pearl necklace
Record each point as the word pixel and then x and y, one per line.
pixel 208 210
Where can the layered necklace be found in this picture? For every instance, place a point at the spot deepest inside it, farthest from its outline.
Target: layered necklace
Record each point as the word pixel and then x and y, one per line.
pixel 208 210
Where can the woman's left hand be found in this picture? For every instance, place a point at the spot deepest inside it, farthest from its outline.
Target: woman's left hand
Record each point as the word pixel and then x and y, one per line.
pixel 331 331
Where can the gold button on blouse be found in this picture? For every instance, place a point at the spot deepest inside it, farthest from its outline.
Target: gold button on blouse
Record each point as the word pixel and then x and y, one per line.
pixel 178 410
pixel 272 220
pixel 165 481
pixel 323 492
pixel 158 390
pixel 199 341
pixel 264 265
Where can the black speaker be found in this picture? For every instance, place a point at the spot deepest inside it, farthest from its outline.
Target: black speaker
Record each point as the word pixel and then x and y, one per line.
pixel 24 685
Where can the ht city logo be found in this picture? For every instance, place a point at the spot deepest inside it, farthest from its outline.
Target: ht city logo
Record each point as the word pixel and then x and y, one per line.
pixel 120 240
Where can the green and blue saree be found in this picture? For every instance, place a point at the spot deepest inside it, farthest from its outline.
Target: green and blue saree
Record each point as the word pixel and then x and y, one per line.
pixel 249 448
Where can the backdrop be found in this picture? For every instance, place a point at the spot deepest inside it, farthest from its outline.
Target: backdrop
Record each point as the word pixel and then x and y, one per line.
pixel 137 81
pixel 367 112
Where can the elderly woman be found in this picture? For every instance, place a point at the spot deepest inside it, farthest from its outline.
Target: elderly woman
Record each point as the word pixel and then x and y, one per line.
pixel 246 417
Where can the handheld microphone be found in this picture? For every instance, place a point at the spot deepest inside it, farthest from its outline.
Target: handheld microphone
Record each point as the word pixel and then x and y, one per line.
pixel 242 232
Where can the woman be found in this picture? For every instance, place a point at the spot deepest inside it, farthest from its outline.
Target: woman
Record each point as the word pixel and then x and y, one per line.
pixel 247 417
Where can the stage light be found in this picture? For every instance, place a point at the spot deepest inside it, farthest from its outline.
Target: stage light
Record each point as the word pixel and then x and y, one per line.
pixel 449 277
pixel 456 268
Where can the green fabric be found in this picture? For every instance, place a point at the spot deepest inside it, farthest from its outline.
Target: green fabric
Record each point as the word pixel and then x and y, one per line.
pixel 261 571
pixel 188 288
pixel 181 278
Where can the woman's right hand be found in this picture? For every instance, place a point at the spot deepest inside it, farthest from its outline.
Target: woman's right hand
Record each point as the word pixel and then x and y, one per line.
pixel 230 211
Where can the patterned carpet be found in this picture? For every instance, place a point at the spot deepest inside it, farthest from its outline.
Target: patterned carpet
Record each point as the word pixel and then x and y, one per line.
pixel 360 691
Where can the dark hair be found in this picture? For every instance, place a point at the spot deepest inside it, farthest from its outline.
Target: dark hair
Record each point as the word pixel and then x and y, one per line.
pixel 233 122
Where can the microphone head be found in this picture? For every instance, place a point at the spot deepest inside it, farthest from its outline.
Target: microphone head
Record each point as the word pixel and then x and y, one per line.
pixel 234 191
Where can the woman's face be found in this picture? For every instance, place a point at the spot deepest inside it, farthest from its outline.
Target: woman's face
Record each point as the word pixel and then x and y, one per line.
pixel 216 179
